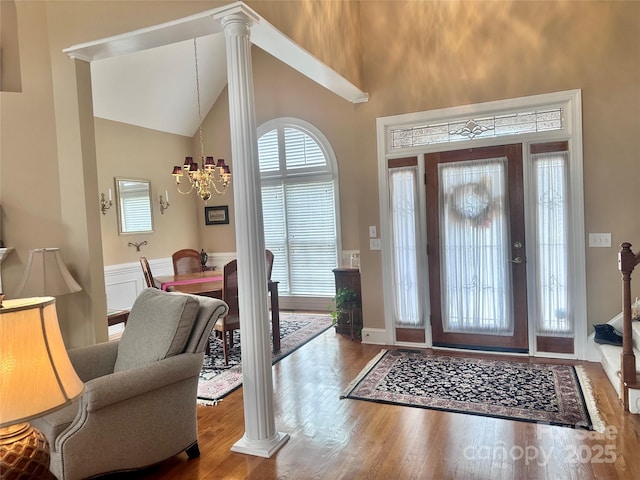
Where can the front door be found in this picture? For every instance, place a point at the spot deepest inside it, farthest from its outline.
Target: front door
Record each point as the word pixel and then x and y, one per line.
pixel 476 248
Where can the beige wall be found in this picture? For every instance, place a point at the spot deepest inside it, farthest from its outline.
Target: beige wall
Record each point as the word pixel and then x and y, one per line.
pixel 455 53
pixel 48 171
pixel 282 92
pixel 415 56
pixel 331 30
pixel 135 152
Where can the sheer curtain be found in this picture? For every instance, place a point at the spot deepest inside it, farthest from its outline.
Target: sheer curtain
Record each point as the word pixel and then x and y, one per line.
pixel 552 243
pixel 474 247
pixel 404 224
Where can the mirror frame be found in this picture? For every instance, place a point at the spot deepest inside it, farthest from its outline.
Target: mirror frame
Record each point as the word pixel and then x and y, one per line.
pixel 120 209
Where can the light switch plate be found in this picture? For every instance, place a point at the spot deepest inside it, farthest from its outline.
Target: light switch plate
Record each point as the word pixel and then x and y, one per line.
pixel 599 239
pixel 373 231
pixel 375 244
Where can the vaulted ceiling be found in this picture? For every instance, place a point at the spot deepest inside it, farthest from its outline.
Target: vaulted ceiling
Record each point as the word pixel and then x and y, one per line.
pixel 156 88
pixel 147 77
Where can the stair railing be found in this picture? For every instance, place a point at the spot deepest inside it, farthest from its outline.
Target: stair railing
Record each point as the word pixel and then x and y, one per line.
pixel 627 261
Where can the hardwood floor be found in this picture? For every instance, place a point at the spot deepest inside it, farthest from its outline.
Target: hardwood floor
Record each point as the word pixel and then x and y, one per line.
pixel 351 439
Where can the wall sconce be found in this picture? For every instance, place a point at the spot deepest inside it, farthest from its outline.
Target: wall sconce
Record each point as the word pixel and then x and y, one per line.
pixel 104 203
pixel 164 204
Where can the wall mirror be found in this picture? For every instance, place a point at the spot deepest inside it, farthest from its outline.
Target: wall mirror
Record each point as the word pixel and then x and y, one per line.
pixel 133 197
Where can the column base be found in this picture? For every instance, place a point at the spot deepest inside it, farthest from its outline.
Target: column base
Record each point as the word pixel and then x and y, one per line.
pixel 260 448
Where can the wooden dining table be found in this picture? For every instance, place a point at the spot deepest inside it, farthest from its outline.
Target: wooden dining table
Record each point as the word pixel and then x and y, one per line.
pixel 210 283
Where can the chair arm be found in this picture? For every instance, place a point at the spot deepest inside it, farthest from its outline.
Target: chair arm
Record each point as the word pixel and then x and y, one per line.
pixel 94 361
pixel 116 387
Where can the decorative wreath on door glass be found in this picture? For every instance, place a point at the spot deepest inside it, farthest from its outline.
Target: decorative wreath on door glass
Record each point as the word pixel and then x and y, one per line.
pixel 472 203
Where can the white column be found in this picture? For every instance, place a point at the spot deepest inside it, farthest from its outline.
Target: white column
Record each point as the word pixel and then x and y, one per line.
pixel 260 437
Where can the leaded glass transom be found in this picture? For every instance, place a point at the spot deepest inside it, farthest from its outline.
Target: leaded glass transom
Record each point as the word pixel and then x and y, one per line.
pixel 485 127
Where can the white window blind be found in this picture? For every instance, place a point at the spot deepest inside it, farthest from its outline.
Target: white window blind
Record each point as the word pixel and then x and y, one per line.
pixel 302 150
pixel 311 229
pixel 135 209
pixel 299 211
pixel 269 156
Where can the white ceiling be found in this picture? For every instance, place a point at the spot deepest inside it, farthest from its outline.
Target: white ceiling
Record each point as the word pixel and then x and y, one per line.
pixel 156 88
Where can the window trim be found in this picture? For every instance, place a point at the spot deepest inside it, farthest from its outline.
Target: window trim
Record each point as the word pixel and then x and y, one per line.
pixel 307 174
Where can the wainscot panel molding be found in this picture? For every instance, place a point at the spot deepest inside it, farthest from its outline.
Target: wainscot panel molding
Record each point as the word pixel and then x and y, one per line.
pixel 124 282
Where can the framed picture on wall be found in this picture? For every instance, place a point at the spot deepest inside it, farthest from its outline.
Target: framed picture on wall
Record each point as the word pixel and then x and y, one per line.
pixel 216 215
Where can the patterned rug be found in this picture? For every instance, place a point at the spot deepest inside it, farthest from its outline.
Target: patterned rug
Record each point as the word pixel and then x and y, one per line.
pixel 218 380
pixel 530 392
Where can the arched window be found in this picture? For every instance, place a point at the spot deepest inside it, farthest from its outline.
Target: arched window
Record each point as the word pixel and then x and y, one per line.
pixel 300 206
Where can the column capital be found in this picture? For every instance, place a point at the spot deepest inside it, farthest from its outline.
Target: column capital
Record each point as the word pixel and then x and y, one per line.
pixel 238 16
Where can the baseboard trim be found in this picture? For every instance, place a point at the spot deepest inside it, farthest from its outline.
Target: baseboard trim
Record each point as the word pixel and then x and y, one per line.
pixel 374 336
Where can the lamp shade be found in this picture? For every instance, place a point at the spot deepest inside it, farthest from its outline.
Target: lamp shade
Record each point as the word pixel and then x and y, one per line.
pixel 36 375
pixel 46 274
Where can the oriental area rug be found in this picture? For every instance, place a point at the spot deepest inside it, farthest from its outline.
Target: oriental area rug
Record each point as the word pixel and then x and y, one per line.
pixel 532 392
pixel 218 380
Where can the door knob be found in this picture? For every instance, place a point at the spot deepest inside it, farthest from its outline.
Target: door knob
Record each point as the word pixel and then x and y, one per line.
pixel 516 260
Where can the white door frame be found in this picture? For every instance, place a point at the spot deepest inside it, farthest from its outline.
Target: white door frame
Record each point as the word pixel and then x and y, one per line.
pixel 571 103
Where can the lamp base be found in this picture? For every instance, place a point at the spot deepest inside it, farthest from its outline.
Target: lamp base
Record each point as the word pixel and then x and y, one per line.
pixel 24 453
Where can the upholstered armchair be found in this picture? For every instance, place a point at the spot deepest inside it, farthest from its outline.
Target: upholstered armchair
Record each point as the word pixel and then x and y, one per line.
pixel 139 404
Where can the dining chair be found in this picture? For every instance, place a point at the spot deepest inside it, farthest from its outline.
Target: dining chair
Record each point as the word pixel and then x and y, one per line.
pixel 231 321
pixel 269 255
pixel 146 271
pixel 186 260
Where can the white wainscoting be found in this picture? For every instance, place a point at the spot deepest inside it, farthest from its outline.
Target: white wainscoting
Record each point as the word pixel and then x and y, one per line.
pixel 124 282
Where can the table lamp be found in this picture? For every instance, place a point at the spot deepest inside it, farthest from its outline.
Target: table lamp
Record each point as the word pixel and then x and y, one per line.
pixel 46 274
pixel 36 378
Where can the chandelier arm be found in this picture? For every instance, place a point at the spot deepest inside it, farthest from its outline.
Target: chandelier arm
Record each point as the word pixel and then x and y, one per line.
pixel 218 191
pixel 184 193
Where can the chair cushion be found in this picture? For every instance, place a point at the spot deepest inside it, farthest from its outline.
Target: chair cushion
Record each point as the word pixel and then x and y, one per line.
pixel 158 327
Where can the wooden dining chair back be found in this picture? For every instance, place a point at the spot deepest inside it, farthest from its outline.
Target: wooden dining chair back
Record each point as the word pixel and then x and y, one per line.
pixel 186 260
pixel 146 271
pixel 269 255
pixel 226 325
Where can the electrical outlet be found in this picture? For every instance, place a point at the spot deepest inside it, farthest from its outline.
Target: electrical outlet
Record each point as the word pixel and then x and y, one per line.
pixel 600 240
pixel 373 231
pixel 375 244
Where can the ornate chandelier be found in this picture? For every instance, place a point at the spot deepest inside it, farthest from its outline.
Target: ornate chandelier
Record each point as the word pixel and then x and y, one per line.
pixel 208 177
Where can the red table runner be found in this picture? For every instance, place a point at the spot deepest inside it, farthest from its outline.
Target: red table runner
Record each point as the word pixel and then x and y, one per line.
pixel 165 285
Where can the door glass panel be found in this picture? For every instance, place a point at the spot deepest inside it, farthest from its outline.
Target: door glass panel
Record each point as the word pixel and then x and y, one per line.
pixel 404 204
pixel 552 244
pixel 475 271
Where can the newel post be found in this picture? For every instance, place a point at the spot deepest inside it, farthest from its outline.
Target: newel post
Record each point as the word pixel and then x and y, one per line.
pixel 626 263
